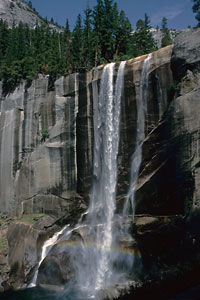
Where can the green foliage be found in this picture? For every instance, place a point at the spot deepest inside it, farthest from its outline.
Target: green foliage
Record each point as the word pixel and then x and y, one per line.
pixel 166 39
pixel 31 219
pixel 3 244
pixel 30 4
pixel 102 35
pixel 174 90
pixel 176 86
pixel 196 10
pixel 87 50
pixel 77 44
pixel 111 33
pixel 143 41
pixel 45 134
pixel 12 5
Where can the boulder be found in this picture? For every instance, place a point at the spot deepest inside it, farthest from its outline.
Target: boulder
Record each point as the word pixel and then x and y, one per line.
pixel 186 53
pixel 24 243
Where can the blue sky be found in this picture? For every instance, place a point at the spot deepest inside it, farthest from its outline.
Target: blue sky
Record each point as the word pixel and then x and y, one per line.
pixel 178 12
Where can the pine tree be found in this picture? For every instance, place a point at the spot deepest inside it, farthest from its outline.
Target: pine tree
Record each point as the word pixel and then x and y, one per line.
pixel 67 59
pixel 24 52
pixel 4 38
pixel 20 40
pixel 109 30
pixel 142 38
pixel 123 37
pixel 166 39
pixel 98 16
pixel 54 59
pixel 88 52
pixel 77 45
pixel 30 4
pixel 196 9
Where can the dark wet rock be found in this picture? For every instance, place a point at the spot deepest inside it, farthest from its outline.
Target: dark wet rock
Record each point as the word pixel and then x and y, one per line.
pixel 54 176
pixel 58 266
pixel 25 242
pixel 159 239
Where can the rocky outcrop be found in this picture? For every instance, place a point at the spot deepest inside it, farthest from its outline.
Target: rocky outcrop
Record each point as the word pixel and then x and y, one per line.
pixel 15 11
pixel 52 173
pixel 165 255
pixel 157 34
pixel 45 173
pixel 42 171
pixel 46 156
pixel 24 244
pixel 170 150
pixel 186 54
pixel 154 240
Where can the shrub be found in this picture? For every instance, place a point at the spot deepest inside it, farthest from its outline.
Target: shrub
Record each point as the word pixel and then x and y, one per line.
pixel 45 135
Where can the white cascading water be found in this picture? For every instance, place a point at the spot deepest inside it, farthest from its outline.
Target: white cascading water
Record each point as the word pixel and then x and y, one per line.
pixel 102 208
pixel 140 136
pixel 45 250
pixel 99 266
pixel 96 266
pixel 92 260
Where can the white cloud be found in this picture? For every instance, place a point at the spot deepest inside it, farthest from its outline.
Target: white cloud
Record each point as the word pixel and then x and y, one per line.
pixel 170 12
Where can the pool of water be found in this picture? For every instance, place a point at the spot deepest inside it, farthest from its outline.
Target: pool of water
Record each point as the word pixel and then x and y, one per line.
pixel 40 294
pixel 43 294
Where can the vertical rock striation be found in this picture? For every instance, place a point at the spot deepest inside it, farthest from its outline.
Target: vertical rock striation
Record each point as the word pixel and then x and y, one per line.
pixel 41 174
pixel 46 173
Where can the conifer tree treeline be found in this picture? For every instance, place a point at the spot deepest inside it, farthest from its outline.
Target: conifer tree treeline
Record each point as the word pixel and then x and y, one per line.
pixel 166 39
pixel 102 35
pixel 196 9
pixel 143 41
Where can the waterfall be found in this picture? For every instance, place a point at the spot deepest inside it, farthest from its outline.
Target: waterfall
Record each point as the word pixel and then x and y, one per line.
pixel 93 260
pixel 101 211
pixel 96 259
pixel 140 136
pixel 45 250
pixel 102 207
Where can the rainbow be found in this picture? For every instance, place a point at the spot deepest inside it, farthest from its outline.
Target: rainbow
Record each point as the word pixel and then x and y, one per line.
pixel 89 245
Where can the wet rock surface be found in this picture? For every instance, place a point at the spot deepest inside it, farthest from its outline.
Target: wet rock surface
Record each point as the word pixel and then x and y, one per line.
pixel 54 176
pixel 166 257
pixel 23 240
pixel 47 176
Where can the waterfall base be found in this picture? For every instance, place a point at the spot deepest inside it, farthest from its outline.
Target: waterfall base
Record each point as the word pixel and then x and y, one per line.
pixel 170 263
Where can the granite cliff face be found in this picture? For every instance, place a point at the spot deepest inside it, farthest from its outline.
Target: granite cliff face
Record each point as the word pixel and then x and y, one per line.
pixel 53 173
pixel 49 175
pixel 44 176
pixel 157 34
pixel 13 12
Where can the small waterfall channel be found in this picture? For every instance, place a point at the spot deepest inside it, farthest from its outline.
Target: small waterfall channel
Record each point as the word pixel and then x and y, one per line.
pixel 140 136
pixel 45 250
pixel 96 262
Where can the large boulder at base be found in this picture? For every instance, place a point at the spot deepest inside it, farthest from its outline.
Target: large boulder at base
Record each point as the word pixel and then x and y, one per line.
pixel 25 243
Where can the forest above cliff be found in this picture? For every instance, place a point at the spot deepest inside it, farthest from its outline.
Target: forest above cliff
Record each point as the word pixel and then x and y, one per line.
pixel 104 34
